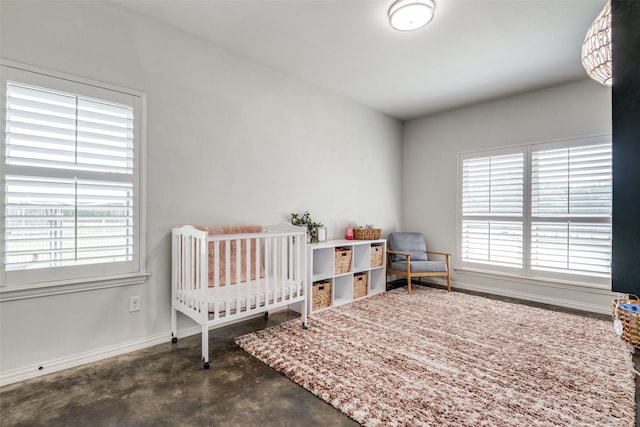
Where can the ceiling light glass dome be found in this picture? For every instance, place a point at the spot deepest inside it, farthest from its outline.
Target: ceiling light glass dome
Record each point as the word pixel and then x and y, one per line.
pixel 409 15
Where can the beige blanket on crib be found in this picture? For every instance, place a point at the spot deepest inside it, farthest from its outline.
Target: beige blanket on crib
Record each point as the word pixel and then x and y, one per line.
pixel 215 230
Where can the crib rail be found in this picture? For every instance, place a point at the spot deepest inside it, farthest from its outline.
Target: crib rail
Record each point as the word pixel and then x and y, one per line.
pixel 271 264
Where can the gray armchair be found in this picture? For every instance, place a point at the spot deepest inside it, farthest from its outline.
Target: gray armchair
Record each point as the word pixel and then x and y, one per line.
pixel 409 257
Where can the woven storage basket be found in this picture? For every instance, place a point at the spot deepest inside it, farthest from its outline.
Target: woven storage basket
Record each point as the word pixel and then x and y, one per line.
pixel 367 233
pixel 321 295
pixel 343 260
pixel 360 285
pixel 376 256
pixel 630 319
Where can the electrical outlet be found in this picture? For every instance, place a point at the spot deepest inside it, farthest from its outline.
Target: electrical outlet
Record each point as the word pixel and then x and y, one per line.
pixel 134 303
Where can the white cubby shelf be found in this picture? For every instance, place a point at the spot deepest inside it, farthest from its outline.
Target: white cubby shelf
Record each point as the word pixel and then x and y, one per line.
pixel 321 268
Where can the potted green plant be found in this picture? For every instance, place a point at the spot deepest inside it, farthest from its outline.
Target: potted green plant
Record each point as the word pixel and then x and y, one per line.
pixel 304 220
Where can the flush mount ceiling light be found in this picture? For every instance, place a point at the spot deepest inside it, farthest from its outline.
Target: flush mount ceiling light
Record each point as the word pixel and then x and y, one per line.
pixel 596 48
pixel 409 15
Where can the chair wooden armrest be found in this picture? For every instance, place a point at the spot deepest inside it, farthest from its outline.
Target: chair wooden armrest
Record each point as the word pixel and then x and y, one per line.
pixel 446 254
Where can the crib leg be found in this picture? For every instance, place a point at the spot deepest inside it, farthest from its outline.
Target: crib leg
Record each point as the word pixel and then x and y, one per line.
pixel 174 326
pixel 303 314
pixel 266 315
pixel 205 347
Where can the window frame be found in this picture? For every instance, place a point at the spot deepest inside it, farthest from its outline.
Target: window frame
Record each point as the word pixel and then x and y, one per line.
pixel 526 272
pixel 41 282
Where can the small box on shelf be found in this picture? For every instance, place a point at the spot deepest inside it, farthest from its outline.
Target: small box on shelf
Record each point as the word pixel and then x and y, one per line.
pixel 367 233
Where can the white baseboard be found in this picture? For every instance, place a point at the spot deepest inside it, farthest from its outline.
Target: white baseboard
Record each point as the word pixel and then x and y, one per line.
pixel 51 366
pixel 55 365
pixel 592 308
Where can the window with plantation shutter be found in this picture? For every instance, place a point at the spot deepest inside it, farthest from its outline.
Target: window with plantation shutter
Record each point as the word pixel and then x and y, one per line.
pixel 72 198
pixel 571 199
pixel 492 207
pixel 541 210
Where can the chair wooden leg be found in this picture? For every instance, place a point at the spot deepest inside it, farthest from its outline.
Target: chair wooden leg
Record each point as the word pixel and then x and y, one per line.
pixel 448 261
pixel 409 283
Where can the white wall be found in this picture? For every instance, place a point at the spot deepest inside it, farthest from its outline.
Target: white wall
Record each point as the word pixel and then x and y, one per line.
pixel 431 148
pixel 229 141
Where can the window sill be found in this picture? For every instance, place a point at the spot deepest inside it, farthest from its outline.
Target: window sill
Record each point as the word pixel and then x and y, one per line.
pixel 538 281
pixel 12 293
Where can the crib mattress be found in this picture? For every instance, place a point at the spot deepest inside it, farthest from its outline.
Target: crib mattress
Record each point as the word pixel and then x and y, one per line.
pixel 250 294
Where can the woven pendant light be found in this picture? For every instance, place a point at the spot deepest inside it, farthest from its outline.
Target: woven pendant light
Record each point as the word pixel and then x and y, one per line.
pixel 596 48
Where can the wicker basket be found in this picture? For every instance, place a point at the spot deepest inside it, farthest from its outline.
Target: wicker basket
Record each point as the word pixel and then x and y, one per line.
pixel 342 260
pixel 367 233
pixel 321 295
pixel 629 318
pixel 360 285
pixel 376 256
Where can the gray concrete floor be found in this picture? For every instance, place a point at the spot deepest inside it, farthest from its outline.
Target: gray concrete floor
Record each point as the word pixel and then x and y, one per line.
pixel 165 385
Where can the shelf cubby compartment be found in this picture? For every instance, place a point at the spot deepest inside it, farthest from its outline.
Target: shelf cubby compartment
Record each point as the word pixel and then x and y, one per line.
pixel 343 260
pixel 323 259
pixel 360 285
pixel 377 281
pixel 376 255
pixel 361 258
pixel 343 289
pixel 321 294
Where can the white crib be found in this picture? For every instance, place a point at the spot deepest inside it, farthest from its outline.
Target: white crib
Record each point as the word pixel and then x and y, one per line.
pixel 220 278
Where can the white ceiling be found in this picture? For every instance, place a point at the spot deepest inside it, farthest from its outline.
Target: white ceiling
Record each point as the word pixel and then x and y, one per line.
pixel 472 51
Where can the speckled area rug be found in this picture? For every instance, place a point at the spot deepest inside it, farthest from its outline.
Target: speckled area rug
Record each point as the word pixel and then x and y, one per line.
pixel 442 359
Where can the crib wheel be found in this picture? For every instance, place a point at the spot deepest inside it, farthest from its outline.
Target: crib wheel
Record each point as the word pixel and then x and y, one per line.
pixel 304 326
pixel 207 365
pixel 266 315
pixel 174 340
